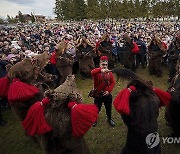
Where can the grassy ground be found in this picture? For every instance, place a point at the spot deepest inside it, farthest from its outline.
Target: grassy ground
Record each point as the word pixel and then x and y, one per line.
pixel 102 139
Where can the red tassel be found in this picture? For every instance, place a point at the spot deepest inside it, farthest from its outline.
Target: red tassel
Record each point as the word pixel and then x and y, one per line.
pixel 121 102
pixel 164 96
pixel 35 122
pixel 4 86
pixel 19 91
pixel 82 117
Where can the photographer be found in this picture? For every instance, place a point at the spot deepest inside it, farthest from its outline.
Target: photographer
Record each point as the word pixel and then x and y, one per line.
pixel 103 85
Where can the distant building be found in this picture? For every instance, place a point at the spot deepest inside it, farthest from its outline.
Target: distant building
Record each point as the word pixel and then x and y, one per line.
pixel 38 18
pixel 27 17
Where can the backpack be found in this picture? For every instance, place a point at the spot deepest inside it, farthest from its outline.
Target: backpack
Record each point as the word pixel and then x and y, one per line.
pixel 136 48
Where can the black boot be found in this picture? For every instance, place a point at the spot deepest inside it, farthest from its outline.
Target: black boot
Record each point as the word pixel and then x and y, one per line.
pixel 111 122
pixel 94 124
pixel 83 76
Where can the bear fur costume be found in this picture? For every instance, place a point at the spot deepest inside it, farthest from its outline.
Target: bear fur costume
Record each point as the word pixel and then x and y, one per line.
pixel 105 49
pixel 64 66
pixel 144 106
pixel 58 115
pixel 64 61
pixel 142 118
pixel 85 57
pixel 173 110
pixel 27 71
pixel 173 53
pixel 128 58
pixel 156 51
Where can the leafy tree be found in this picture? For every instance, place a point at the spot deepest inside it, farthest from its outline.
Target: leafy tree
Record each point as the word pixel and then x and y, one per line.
pixel 1 21
pixel 32 18
pixel 11 19
pixel 92 9
pixel 171 8
pixel 137 8
pixel 125 9
pixel 70 9
pixel 144 8
pixel 21 17
pixel 8 17
pixel 104 9
pixel 131 9
pixel 155 8
pixel 177 8
pixel 114 9
pixel 58 10
pixel 80 9
pixel 70 12
pixel 120 7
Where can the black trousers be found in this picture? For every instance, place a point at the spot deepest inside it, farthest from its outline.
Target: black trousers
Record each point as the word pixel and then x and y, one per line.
pixel 140 58
pixel 107 100
pixel 172 69
pixel 75 67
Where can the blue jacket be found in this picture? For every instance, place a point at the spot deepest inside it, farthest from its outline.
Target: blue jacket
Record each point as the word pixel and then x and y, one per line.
pixel 142 46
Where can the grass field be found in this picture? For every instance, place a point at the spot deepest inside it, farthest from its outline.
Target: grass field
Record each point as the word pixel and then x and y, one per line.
pixel 101 139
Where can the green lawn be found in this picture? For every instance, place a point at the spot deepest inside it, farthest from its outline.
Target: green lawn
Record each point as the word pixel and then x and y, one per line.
pixel 102 139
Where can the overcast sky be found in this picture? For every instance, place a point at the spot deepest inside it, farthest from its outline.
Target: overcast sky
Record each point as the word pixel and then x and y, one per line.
pixel 39 7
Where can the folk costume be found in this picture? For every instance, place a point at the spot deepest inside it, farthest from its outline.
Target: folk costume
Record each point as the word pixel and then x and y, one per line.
pixel 172 111
pixel 139 105
pixel 173 52
pixel 105 49
pixel 60 120
pixel 19 85
pixel 64 61
pixel 156 51
pixel 103 85
pixel 128 58
pixel 85 55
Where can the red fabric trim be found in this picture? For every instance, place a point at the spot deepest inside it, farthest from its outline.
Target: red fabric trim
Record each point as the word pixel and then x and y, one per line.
pixel 121 102
pixel 19 91
pixel 35 122
pixel 165 97
pixel 82 117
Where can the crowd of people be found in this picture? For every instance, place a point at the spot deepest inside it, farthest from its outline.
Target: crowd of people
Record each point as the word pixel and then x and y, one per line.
pixel 28 40
pixel 93 50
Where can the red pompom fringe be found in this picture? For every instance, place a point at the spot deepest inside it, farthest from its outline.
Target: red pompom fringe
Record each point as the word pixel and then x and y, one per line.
pixel 164 96
pixel 35 122
pixel 82 117
pixel 121 102
pixel 4 86
pixel 20 91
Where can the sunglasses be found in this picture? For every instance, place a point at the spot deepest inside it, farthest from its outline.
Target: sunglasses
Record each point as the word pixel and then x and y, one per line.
pixel 104 64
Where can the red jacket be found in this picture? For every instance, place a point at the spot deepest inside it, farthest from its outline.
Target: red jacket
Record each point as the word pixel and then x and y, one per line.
pixel 99 83
pixel 53 58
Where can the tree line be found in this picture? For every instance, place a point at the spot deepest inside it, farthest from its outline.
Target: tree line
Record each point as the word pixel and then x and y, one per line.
pixel 115 9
